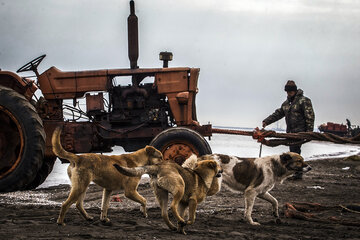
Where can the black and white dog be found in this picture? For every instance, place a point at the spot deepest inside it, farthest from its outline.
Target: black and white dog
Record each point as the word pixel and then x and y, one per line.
pixel 255 177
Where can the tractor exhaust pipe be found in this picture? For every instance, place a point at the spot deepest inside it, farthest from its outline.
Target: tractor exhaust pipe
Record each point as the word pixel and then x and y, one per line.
pixel 133 43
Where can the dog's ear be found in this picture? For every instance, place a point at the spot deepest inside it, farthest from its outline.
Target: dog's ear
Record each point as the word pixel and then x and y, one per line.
pixel 285 158
pixel 150 150
pixel 212 164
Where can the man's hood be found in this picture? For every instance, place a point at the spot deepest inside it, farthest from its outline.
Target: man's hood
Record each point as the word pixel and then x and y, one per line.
pixel 299 93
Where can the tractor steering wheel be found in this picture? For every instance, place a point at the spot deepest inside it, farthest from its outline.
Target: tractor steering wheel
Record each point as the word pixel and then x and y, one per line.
pixel 32 65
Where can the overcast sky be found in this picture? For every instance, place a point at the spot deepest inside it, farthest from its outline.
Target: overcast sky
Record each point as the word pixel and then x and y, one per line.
pixel 246 49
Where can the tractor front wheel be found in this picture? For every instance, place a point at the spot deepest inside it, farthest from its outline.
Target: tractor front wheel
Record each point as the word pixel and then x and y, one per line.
pixel 177 144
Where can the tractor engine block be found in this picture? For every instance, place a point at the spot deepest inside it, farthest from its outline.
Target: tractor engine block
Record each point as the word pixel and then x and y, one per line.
pixel 137 105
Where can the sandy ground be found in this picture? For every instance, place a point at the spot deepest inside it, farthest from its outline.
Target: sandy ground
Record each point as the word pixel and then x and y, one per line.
pixel 332 182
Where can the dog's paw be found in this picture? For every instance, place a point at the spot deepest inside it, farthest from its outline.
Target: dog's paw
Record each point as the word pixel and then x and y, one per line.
pixel 61 224
pixel 173 228
pixel 182 223
pixel 254 223
pixel 275 214
pixel 189 222
pixel 181 230
pixel 106 221
pixel 89 218
pixel 143 210
pixel 180 227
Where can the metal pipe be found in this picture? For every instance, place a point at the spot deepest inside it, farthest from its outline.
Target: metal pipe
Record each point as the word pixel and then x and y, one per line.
pixel 133 43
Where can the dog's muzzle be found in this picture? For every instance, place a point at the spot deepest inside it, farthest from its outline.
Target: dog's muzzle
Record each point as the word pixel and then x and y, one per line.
pixel 219 173
pixel 306 169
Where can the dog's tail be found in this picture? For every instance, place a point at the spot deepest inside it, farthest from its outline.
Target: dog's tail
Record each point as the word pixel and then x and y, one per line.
pixel 59 150
pixel 190 162
pixel 137 171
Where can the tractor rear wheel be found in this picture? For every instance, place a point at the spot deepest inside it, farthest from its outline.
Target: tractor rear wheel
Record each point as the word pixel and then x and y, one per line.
pixel 44 171
pixel 22 141
pixel 177 144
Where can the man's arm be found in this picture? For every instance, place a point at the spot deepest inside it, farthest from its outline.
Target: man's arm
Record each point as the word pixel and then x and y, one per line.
pixel 277 115
pixel 309 115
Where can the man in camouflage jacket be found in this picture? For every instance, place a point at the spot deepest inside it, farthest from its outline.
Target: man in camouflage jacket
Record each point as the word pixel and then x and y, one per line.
pixel 298 112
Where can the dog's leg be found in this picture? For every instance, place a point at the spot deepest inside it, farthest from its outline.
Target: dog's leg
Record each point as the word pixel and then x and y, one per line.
pixel 275 205
pixel 177 196
pixel 176 186
pixel 250 195
pixel 74 195
pixel 162 198
pixel 105 205
pixel 80 207
pixel 192 211
pixel 181 208
pixel 132 194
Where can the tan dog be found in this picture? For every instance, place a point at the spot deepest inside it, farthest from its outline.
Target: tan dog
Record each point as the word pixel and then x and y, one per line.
pixel 255 177
pixel 99 168
pixel 191 163
pixel 188 187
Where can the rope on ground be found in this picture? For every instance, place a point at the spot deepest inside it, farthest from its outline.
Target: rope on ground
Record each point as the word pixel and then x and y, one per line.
pixel 289 139
pixel 305 211
pixel 351 208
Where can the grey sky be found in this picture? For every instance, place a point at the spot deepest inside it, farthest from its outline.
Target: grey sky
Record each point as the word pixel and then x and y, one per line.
pixel 246 49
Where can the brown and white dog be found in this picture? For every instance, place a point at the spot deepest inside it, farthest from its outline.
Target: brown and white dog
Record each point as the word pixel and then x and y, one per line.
pixel 255 177
pixel 97 168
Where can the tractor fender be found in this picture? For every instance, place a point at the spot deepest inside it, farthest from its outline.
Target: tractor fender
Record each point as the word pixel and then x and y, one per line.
pixel 22 85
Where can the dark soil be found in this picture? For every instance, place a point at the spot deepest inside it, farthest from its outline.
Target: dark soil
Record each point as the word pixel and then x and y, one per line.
pixel 33 214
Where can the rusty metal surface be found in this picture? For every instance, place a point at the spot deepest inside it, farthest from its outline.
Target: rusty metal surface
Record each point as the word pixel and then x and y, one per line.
pixel 49 126
pixel 57 84
pixel 50 109
pixel 172 82
pixel 178 151
pixel 133 42
pixel 181 90
pixel 204 130
pixel 94 102
pixel 21 85
pixel 78 137
pixel 289 139
pixel 234 132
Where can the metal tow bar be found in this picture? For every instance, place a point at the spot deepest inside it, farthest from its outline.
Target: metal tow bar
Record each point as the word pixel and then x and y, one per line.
pixel 289 139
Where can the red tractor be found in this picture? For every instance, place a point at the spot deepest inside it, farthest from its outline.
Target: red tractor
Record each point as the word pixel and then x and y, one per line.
pixel 159 111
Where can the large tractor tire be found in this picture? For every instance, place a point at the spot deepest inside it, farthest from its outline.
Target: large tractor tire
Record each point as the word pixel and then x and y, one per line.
pixel 44 171
pixel 177 144
pixel 22 141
